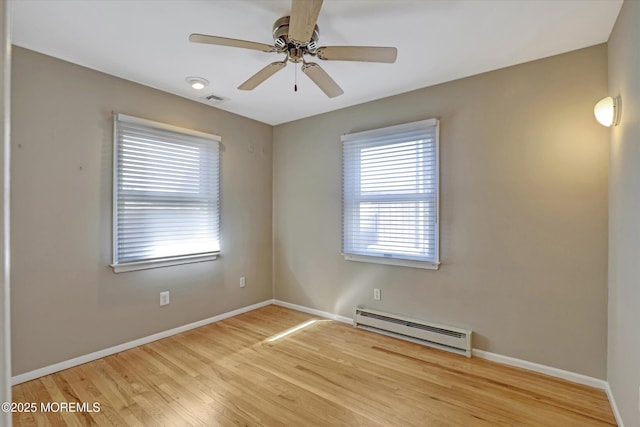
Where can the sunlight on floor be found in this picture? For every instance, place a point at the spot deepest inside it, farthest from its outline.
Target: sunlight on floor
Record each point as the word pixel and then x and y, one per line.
pixel 291 330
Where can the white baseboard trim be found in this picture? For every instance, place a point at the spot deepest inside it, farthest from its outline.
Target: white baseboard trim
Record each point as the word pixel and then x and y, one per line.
pixel 543 369
pixel 313 311
pixel 37 373
pixel 614 407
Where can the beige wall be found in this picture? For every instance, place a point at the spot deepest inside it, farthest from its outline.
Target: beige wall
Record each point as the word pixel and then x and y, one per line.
pixel 624 216
pixel 5 63
pixel 67 301
pixel 523 212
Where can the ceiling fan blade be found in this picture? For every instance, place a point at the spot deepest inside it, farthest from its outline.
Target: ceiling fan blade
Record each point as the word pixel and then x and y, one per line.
pixel 223 41
pixel 304 15
pixel 358 53
pixel 322 79
pixel 262 75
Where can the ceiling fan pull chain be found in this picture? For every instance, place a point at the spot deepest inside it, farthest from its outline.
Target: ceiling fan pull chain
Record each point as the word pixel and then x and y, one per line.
pixel 295 77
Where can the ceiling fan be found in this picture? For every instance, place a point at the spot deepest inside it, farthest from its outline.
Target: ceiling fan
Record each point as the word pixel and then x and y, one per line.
pixel 297 36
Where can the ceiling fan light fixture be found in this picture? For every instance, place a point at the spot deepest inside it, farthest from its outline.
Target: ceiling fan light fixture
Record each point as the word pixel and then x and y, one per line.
pixel 280 43
pixel 197 83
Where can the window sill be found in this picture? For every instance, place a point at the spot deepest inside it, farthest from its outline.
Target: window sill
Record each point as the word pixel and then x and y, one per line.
pixel 166 262
pixel 393 261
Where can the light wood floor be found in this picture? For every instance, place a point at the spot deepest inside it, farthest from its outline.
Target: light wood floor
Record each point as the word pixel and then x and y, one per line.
pixel 241 372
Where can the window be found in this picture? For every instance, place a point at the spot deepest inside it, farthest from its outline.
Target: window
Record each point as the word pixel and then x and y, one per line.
pixel 390 195
pixel 166 195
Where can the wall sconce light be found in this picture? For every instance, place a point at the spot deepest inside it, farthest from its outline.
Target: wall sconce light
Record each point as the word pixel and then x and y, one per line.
pixel 198 83
pixel 607 111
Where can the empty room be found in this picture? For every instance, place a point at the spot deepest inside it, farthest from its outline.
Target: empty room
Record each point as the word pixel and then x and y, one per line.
pixel 320 213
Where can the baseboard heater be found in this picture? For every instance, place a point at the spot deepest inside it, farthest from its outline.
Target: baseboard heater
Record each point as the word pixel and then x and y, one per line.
pixel 448 338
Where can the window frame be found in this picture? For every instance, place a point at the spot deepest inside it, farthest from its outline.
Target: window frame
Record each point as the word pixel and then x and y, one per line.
pixel 396 260
pixel 119 267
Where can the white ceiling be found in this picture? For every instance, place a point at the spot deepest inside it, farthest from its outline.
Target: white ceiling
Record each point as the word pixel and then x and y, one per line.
pixel 146 41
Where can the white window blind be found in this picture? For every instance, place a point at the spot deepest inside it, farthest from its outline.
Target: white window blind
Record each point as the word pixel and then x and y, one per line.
pixel 390 195
pixel 166 194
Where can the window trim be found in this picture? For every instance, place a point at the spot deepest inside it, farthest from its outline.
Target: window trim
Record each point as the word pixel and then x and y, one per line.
pixel 401 262
pixel 157 262
pixel 165 262
pixel 398 261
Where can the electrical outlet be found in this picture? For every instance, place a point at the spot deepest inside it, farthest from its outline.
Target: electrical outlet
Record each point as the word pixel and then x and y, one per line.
pixel 164 298
pixel 376 294
pixel 243 283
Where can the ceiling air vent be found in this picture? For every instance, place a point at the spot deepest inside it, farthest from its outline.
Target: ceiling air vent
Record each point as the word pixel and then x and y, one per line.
pixel 214 98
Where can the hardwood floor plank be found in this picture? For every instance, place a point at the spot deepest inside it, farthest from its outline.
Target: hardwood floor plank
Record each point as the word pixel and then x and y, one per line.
pixel 279 367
